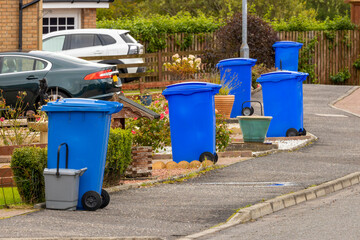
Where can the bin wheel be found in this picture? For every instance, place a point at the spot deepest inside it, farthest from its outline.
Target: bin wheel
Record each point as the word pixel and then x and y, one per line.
pixel 216 158
pixel 247 111
pixel 91 201
pixel 105 198
pixel 292 132
pixel 303 132
pixel 207 156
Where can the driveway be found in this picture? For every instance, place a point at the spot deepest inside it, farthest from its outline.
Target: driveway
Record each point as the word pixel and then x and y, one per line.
pixel 174 210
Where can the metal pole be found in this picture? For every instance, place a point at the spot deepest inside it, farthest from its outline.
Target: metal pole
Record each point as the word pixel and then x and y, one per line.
pixel 244 50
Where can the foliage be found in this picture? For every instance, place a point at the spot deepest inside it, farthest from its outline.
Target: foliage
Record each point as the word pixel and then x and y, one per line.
pixel 11 132
pixel 118 155
pixel 341 77
pixel 306 55
pixel 119 8
pixel 154 133
pixel 257 71
pixel 226 86
pixel 222 133
pixel 28 164
pixel 183 67
pixel 261 37
pixel 154 29
pixel 357 63
pixel 328 8
pixel 308 23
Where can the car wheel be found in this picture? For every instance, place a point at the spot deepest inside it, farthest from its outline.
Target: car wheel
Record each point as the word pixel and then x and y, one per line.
pixel 53 96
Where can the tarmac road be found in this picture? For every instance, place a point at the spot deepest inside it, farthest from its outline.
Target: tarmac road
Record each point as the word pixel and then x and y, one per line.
pixel 174 210
pixel 335 216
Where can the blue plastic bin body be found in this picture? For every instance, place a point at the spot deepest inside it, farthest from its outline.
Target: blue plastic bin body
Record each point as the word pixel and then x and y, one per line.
pixel 192 119
pixel 84 124
pixel 283 100
pixel 287 55
pixel 236 73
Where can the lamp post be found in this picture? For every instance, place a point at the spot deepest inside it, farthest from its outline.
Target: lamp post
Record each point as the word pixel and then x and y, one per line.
pixel 244 50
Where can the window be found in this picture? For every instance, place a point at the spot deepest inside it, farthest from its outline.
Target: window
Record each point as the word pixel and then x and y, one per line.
pixel 107 39
pixel 11 64
pixel 127 38
pixel 54 44
pixel 84 40
pixel 53 24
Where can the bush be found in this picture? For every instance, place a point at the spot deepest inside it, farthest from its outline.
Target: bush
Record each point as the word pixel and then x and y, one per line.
pixel 340 77
pixel 222 133
pixel 228 41
pixel 28 164
pixel 118 155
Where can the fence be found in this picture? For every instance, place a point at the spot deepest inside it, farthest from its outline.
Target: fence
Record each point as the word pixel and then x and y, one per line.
pixel 334 52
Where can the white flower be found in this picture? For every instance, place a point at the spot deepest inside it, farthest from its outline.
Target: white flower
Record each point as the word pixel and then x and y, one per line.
pixel 178 60
pixel 198 60
pixel 176 56
pixel 192 57
pixel 191 63
pixel 174 63
pixel 185 59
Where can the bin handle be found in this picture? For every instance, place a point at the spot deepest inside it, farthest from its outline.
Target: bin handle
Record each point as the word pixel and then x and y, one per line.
pixel 58 158
pixel 261 108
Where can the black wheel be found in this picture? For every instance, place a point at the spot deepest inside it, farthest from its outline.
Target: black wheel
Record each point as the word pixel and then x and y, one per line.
pixel 247 111
pixel 91 201
pixel 292 132
pixel 54 95
pixel 303 132
pixel 216 158
pixel 207 156
pixel 105 198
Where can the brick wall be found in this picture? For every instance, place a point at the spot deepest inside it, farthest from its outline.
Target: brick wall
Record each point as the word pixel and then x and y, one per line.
pixel 88 18
pixel 9 25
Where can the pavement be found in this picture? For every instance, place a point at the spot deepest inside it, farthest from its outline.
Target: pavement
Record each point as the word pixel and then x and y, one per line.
pixel 241 192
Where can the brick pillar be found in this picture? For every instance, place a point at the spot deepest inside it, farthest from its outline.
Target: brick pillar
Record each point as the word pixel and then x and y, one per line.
pixel 9 26
pixel 355 11
pixel 88 18
pixel 141 165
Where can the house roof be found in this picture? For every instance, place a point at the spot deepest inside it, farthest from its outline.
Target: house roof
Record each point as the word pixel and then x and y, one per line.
pixel 77 1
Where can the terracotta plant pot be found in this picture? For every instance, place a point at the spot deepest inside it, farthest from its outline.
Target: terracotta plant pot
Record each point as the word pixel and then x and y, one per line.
pixel 224 104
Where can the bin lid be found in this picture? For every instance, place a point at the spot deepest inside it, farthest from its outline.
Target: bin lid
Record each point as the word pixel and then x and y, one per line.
pixel 287 44
pixel 236 62
pixel 82 105
pixel 188 88
pixel 62 171
pixel 281 76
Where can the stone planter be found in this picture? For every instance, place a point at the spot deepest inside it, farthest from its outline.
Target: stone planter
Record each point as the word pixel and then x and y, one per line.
pixel 254 128
pixel 224 104
pixel 41 127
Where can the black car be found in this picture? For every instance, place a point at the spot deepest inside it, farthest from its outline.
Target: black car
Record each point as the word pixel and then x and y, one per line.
pixel 66 77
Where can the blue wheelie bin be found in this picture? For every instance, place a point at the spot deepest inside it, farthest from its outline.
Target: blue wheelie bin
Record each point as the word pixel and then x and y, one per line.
pixel 192 120
pixel 83 125
pixel 287 55
pixel 236 73
pixel 283 100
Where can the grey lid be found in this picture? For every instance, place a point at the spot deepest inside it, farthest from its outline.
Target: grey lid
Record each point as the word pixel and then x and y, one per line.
pixel 62 171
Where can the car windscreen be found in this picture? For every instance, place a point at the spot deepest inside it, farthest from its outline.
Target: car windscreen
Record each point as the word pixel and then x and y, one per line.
pixel 127 38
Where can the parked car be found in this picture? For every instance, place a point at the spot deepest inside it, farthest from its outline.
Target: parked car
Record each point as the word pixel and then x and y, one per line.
pixel 97 42
pixel 66 77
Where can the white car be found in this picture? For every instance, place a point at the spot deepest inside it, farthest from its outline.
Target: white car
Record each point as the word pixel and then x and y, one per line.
pixel 97 42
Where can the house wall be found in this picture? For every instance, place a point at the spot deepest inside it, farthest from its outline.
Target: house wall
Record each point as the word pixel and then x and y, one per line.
pixel 9 26
pixel 88 18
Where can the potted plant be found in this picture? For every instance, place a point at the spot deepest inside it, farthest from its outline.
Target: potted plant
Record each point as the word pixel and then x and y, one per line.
pixel 145 97
pixel 223 100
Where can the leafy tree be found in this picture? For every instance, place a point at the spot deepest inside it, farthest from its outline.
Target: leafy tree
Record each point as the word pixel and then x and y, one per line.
pixel 120 8
pixel 328 8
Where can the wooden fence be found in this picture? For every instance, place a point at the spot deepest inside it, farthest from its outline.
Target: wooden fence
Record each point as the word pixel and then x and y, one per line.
pixel 334 52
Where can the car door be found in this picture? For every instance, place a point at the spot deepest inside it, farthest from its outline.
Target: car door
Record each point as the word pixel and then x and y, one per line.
pixel 84 45
pixel 20 73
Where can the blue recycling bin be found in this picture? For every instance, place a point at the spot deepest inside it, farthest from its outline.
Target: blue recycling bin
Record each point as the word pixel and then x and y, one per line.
pixel 84 126
pixel 283 100
pixel 236 73
pixel 287 55
pixel 192 120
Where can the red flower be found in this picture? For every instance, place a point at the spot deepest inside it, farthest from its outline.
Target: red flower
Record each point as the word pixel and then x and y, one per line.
pixel 135 118
pixel 133 132
pixel 167 111
pixel 162 116
pixel 2 119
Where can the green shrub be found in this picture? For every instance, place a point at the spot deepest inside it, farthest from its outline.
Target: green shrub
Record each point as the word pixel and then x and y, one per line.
pixel 261 37
pixel 357 63
pixel 28 164
pixel 222 133
pixel 118 155
pixel 340 77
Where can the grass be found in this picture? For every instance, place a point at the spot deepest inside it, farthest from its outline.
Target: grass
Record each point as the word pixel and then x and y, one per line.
pixel 8 196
